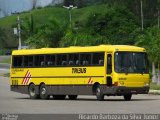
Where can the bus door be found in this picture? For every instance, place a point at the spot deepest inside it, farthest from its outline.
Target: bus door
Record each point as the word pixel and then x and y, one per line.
pixel 109 69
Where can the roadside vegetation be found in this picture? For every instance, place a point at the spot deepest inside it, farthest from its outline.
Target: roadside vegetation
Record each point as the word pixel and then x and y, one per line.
pixel 5 59
pixel 154 86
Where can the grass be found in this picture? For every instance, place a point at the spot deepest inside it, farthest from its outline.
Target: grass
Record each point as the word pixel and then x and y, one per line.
pixel 8 61
pixel 154 86
pixel 6 75
pixel 60 13
pixel 40 16
pixel 5 59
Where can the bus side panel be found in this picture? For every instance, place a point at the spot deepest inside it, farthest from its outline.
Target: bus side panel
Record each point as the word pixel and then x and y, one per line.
pixel 58 80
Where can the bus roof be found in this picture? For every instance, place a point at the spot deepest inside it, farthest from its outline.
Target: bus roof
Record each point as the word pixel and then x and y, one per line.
pixel 76 49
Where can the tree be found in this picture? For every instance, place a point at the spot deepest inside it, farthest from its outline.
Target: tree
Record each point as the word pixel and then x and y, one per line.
pixel 80 3
pixel 113 25
pixel 80 39
pixel 3 36
pixel 48 35
pixel 151 41
pixel 28 27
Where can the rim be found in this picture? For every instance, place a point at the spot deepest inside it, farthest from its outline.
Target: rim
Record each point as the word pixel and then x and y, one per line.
pixel 32 92
pixel 43 91
pixel 98 90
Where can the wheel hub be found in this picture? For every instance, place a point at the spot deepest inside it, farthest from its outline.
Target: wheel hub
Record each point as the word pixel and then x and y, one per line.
pixel 32 92
pixel 43 91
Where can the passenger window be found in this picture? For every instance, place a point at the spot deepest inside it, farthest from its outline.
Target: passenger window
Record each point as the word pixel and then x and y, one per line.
pixel 61 60
pixel 39 61
pixel 28 61
pixel 85 59
pixel 73 59
pixel 98 59
pixel 50 60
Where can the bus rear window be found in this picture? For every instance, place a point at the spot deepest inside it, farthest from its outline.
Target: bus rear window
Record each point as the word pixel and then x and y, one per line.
pixel 17 61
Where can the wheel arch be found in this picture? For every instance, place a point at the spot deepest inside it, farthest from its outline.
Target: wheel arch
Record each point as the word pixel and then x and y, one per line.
pixel 41 84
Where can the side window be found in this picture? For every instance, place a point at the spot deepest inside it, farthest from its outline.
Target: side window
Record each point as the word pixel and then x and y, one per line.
pixel 85 59
pixel 28 61
pixel 39 61
pixel 17 61
pixel 98 59
pixel 25 61
pixel 61 60
pixel 73 59
pixel 50 60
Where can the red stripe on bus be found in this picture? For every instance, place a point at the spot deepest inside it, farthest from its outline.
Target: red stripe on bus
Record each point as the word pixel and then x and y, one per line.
pixel 25 77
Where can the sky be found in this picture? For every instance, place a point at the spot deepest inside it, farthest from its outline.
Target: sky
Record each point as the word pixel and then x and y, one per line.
pixel 9 6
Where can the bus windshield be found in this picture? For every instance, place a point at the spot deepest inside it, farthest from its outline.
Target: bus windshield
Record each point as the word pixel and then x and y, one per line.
pixel 131 62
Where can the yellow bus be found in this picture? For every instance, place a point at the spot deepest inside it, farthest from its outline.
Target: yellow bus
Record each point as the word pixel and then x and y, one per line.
pixel 118 70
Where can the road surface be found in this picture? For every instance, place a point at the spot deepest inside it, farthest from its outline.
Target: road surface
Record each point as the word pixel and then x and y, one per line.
pixel 11 102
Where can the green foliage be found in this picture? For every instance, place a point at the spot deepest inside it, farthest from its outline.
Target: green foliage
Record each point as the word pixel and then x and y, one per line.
pixel 6 39
pixel 113 25
pixel 115 22
pixel 5 59
pixel 48 35
pixel 2 38
pixel 150 9
pixel 81 39
pixel 97 27
pixel 6 75
pixel 30 22
pixel 154 86
pixel 151 41
pixel 80 3
pixel 27 26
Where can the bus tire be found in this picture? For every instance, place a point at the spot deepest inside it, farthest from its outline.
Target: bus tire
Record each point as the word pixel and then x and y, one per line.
pixel 72 97
pixel 59 97
pixel 127 97
pixel 99 94
pixel 43 92
pixel 32 91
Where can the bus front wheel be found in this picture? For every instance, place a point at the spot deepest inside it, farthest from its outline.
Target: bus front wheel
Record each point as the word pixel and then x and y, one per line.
pixel 32 92
pixel 43 92
pixel 99 94
pixel 127 97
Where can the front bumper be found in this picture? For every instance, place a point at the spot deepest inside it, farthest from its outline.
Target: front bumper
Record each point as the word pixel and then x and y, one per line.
pixel 121 90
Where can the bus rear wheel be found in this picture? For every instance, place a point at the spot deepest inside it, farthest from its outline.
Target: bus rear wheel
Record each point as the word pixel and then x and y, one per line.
pixel 43 92
pixel 72 97
pixel 127 97
pixel 32 91
pixel 99 94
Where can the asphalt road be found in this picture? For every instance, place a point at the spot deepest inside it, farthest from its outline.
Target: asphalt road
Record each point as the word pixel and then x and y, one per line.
pixel 11 102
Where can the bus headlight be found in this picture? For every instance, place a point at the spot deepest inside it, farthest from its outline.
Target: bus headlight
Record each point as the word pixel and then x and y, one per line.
pixel 146 84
